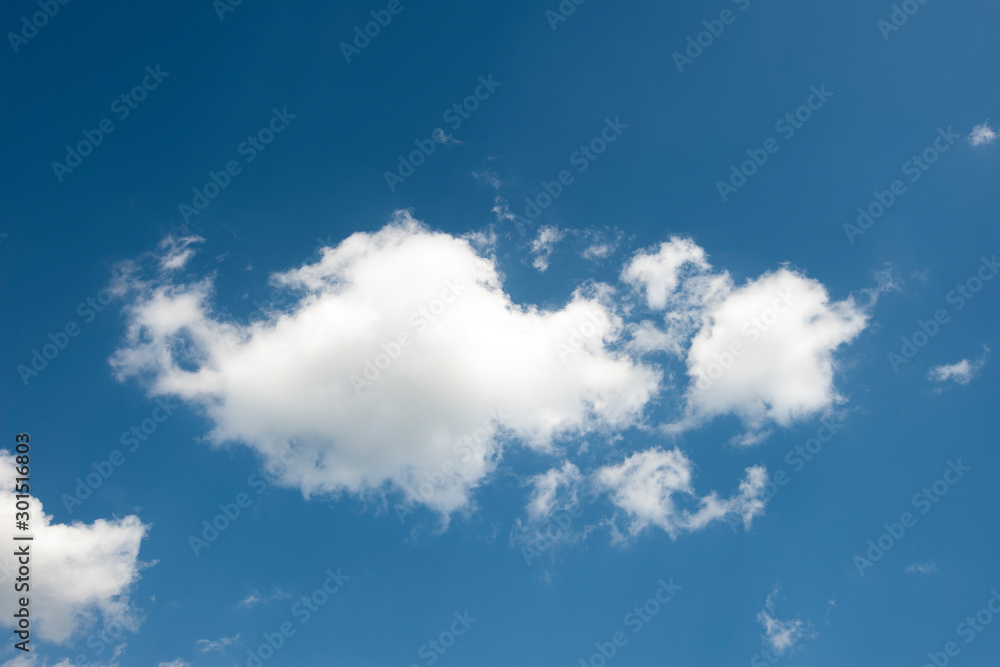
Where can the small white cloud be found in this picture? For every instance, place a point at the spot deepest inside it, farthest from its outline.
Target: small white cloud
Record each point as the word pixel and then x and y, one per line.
pixel 177 251
pixel 251 600
pixel 220 644
pixel 483 240
pixel 982 135
pixel 255 598
pixel 546 490
pixel 600 243
pixel 599 251
pixel 443 137
pixel 779 635
pixel 658 274
pixel 175 663
pixel 921 568
pixel 765 352
pixel 649 485
pixel 961 372
pixel 501 208
pixel 488 177
pixel 543 245
pixel 80 572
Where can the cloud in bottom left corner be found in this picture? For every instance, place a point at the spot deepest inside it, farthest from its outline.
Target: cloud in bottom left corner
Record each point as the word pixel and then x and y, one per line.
pixel 81 575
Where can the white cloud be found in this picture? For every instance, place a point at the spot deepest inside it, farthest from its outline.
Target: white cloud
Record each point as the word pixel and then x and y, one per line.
pixel 600 243
pixel 766 352
pixel 220 644
pixel 546 490
pixel 79 572
pixel 763 351
pixel 254 598
pixel 443 137
pixel 779 635
pixel 659 274
pixel 175 663
pixel 598 251
pixel 921 568
pixel 488 177
pixel 399 365
pixel 424 414
pixel 177 251
pixel 982 135
pixel 543 245
pixel 501 208
pixel 251 600
pixel 649 485
pixel 678 280
pixel 961 372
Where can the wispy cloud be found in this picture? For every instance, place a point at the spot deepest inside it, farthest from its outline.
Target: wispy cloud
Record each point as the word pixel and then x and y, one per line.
pixel 781 635
pixel 961 372
pixel 544 244
pixel 220 644
pixel 921 568
pixel 443 137
pixel 982 135
pixel 488 177
pixel 255 598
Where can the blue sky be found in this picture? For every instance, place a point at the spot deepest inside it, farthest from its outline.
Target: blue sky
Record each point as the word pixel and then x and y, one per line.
pixel 247 298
